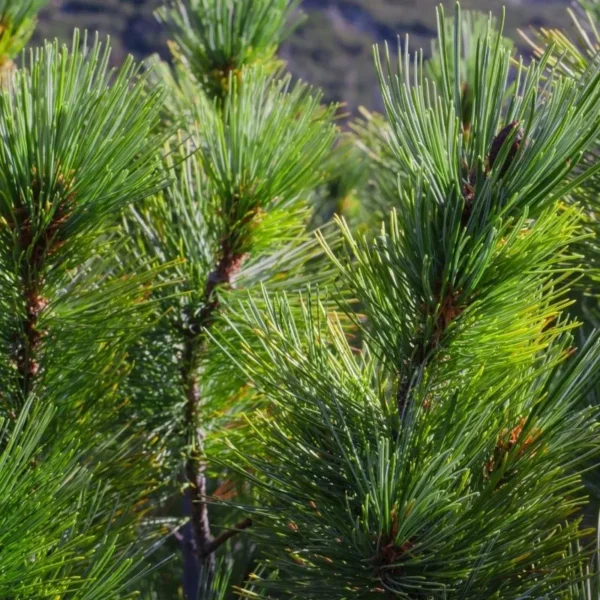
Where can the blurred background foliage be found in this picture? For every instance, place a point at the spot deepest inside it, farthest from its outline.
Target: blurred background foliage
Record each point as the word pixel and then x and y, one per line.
pixel 333 48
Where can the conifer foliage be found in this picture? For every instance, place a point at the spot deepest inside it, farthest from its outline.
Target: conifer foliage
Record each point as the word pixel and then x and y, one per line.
pixel 75 151
pixel 202 398
pixel 574 55
pixel 245 160
pixel 441 460
pixel 218 38
pixel 17 23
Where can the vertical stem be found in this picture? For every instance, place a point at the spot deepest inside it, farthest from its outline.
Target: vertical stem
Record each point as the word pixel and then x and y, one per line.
pixel 32 254
pixel 195 467
pixel 33 249
pixel 26 356
pixel 191 569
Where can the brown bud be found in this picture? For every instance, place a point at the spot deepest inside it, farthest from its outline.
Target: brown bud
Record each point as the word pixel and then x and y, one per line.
pixel 499 142
pixel 468 192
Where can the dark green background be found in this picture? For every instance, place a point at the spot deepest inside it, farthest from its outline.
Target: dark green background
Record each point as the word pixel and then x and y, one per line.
pixel 333 48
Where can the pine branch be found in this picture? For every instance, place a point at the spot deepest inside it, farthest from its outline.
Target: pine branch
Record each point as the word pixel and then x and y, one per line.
pixel 236 213
pixel 227 535
pixel 76 151
pixel 227 267
pixel 17 22
pixel 196 465
pixel 58 199
pixel 214 52
pixel 446 454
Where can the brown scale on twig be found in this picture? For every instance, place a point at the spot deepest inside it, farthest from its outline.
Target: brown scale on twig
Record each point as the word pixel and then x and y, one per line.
pixel 402 394
pixel 468 192
pixel 223 275
pixel 470 180
pixel 507 440
pixel 391 554
pixel 448 308
pixel 227 268
pixel 35 247
pixel 498 143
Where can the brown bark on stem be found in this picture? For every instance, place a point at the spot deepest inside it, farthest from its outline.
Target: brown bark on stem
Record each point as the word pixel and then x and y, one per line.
pixel 204 545
pixel 34 248
pixel 195 467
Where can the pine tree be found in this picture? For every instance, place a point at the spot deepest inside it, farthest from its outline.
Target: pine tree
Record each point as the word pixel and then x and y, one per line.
pixel 576 54
pixel 372 130
pixel 245 159
pixel 444 457
pixel 75 152
pixel 356 412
